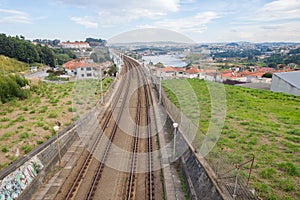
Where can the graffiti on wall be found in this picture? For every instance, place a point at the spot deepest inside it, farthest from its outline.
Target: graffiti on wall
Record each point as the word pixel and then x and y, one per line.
pixel 12 185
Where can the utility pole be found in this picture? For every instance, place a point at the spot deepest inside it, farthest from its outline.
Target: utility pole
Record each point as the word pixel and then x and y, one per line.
pixel 56 128
pixel 101 86
pixel 160 87
pixel 175 125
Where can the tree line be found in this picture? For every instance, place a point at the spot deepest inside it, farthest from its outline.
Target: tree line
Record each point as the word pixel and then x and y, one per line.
pixel 276 59
pixel 23 50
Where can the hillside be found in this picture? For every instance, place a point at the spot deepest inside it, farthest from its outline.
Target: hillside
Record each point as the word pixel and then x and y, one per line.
pixel 259 123
pixel 11 65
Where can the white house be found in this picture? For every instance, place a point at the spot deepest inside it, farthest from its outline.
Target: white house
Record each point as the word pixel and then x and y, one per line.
pixel 74 45
pixel 80 69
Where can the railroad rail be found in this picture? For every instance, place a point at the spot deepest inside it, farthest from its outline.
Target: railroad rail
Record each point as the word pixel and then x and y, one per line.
pixel 135 147
pixel 149 148
pixel 89 157
pixel 108 145
pixel 133 74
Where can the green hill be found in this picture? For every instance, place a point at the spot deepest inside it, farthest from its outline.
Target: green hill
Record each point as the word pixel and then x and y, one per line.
pixel 257 122
pixel 10 65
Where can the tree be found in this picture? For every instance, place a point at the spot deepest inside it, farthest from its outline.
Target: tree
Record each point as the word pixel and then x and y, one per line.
pixel 25 51
pixel 113 70
pixel 267 75
pixel 48 56
pixel 159 65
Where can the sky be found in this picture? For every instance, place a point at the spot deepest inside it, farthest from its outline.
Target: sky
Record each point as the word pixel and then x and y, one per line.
pixel 200 20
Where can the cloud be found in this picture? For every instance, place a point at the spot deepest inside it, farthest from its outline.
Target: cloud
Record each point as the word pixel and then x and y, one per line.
pixel 149 35
pixel 14 16
pixel 196 24
pixel 85 21
pixel 279 10
pixel 285 32
pixel 151 5
pixel 116 12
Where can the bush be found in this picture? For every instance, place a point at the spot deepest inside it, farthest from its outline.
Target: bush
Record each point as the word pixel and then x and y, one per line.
pixel 52 115
pixel 24 135
pixel 287 185
pixel 70 109
pixel 4 119
pixel 26 148
pixel 4 149
pixel 266 173
pixel 267 75
pixel 40 142
pixel 289 168
pixel 11 87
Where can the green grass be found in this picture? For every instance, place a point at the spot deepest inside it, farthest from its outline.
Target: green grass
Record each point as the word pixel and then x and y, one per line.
pixel 257 122
pixel 26 148
pixel 24 135
pixel 27 123
pixel 11 65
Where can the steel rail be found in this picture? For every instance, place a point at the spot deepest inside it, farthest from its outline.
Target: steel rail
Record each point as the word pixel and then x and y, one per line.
pixel 89 156
pixel 108 145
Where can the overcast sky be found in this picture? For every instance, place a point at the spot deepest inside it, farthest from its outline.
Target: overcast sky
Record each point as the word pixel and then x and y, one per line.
pixel 199 20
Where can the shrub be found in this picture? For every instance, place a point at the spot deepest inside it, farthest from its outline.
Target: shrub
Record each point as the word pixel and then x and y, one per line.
pixel 47 136
pixel 4 119
pixel 52 115
pixel 289 168
pixel 26 148
pixel 43 109
pixel 40 142
pixel 11 87
pixel 70 109
pixel 24 135
pixel 267 75
pixel 20 119
pixel 287 185
pixel 20 127
pixel 40 124
pixel 267 173
pixel 4 149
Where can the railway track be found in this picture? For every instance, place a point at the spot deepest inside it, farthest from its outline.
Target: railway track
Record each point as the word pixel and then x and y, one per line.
pixel 83 170
pixel 144 96
pixel 95 177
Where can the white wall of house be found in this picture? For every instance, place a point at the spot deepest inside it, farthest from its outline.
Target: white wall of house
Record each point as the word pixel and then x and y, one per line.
pixel 192 75
pixel 83 73
pixel 165 74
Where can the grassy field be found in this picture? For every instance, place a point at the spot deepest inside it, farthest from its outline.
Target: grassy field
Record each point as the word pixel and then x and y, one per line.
pixel 28 123
pixel 257 122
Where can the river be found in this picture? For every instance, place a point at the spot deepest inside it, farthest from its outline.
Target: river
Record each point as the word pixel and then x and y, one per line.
pixel 167 60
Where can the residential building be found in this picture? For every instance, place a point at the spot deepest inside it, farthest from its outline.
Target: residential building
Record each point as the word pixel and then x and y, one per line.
pixel 74 45
pixel 82 69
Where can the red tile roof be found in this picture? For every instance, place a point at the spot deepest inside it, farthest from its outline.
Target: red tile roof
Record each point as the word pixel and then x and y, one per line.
pixel 76 43
pixel 192 70
pixel 77 63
